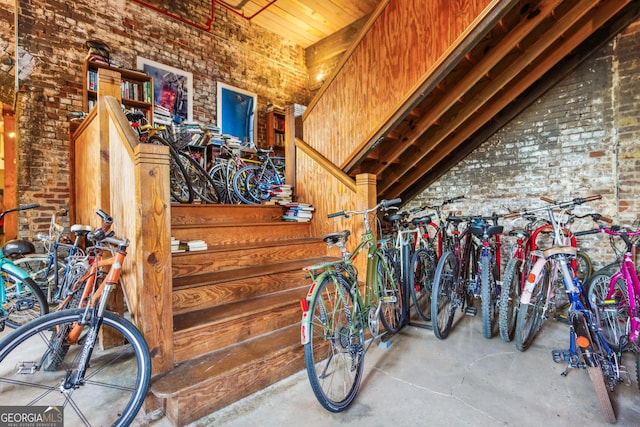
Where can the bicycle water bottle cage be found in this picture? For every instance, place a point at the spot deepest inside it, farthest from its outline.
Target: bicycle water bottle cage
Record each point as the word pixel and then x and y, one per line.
pixel 14 248
pixel 336 238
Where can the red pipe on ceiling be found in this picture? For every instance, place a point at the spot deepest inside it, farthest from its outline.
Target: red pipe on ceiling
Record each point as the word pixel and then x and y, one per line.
pixel 209 22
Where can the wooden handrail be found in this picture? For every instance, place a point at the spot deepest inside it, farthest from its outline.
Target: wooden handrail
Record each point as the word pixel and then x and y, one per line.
pixel 326 164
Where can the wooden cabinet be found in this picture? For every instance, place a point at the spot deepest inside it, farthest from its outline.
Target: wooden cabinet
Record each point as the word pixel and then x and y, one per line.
pixel 136 88
pixel 275 128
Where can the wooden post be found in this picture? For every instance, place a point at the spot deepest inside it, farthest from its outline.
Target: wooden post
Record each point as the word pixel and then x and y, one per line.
pixel 365 198
pixel 290 146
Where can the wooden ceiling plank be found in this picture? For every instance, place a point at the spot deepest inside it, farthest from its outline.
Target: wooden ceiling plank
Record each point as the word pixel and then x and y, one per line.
pixel 494 86
pixel 593 21
pixel 452 95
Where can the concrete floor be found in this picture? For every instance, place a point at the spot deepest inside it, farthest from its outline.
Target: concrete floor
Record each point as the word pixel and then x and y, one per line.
pixel 465 380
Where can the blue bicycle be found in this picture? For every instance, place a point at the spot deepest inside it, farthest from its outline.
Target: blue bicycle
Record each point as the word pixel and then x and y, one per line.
pixel 21 298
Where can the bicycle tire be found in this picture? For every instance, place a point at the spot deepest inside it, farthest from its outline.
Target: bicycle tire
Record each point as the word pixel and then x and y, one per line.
pixel 614 320
pixel 584 267
pixel 201 182
pixel 118 375
pixel 179 184
pixel 509 299
pixel 443 297
pixel 488 297
pixel 389 295
pixel 423 268
pixel 24 301
pixel 530 316
pixel 241 184
pixel 334 355
pixel 218 174
pixel 42 273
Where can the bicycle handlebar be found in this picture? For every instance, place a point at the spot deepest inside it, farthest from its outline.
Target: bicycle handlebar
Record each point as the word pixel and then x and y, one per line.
pixel 19 208
pixel 446 202
pixel 573 202
pixel 384 205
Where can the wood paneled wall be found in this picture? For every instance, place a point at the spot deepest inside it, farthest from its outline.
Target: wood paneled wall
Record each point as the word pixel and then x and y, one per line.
pixel 407 41
pixel 112 171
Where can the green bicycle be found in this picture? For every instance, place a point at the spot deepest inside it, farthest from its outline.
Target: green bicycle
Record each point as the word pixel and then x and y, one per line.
pixel 337 310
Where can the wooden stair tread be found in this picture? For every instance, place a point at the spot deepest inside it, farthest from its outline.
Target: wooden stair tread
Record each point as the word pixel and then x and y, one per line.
pixel 234 310
pixel 240 224
pixel 186 282
pixel 250 245
pixel 207 367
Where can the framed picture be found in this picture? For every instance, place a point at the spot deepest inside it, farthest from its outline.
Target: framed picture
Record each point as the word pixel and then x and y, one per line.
pixel 172 88
pixel 236 109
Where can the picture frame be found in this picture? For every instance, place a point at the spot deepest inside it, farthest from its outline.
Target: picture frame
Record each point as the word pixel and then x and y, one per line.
pixel 172 88
pixel 236 112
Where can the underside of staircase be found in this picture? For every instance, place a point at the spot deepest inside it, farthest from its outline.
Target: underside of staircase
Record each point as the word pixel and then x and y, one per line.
pixel 236 311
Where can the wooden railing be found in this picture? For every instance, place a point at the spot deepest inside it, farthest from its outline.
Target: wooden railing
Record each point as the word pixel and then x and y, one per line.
pixel 112 171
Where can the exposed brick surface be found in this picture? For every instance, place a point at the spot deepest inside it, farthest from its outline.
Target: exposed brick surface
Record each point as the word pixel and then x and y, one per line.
pixel 51 39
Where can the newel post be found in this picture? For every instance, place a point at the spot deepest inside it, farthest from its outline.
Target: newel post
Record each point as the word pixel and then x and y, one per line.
pixel 153 242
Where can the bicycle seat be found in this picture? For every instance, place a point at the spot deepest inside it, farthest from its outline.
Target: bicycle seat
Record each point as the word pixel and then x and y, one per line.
pixel 396 217
pixel 520 233
pixel 18 247
pixel 424 219
pixel 334 238
pixel 80 229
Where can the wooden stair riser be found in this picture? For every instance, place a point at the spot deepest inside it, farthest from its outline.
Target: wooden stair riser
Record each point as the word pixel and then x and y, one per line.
pixel 207 338
pixel 219 391
pixel 207 262
pixel 197 215
pixel 201 297
pixel 243 233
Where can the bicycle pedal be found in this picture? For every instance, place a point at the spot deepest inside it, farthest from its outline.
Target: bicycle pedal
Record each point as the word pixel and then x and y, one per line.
pixel 471 311
pixel 561 356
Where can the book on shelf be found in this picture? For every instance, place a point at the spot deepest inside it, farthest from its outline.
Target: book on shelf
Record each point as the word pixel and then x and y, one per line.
pixel 197 245
pixel 295 218
pixel 299 214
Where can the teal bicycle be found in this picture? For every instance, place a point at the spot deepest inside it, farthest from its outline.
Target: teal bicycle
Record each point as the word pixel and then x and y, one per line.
pixel 21 298
pixel 337 310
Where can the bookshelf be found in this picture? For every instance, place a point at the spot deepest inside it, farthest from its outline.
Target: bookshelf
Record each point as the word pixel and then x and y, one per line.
pixel 275 128
pixel 136 88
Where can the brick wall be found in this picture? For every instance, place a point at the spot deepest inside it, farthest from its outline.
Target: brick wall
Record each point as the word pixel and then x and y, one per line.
pixel 51 39
pixel 581 138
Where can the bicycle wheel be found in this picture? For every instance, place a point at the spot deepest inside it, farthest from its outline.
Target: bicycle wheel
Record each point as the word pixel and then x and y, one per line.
pixel 423 268
pixel 117 376
pixel 218 174
pixel 24 301
pixel 179 184
pixel 241 184
pixel 42 273
pixel 390 296
pixel 443 297
pixel 509 299
pixel 334 355
pixel 202 184
pixel 531 315
pixel 614 314
pixel 584 267
pixel 488 296
pixel 258 183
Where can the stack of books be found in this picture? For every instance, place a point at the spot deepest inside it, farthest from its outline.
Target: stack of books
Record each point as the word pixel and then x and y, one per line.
pixel 281 193
pixel 196 245
pixel 177 246
pixel 161 115
pixel 299 212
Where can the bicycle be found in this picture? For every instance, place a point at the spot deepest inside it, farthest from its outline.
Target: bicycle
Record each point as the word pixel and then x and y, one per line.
pixel 454 277
pixel 336 312
pixel 540 295
pixel 587 347
pixel 22 299
pixel 225 168
pixel 78 369
pixel 617 296
pixel 515 274
pixel 56 269
pixel 253 183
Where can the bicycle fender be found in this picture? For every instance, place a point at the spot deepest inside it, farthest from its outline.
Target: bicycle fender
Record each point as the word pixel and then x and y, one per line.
pixel 9 267
pixel 584 339
pixel 305 324
pixel 532 279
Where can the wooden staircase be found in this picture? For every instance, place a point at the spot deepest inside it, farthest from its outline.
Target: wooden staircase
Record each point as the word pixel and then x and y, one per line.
pixel 236 309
